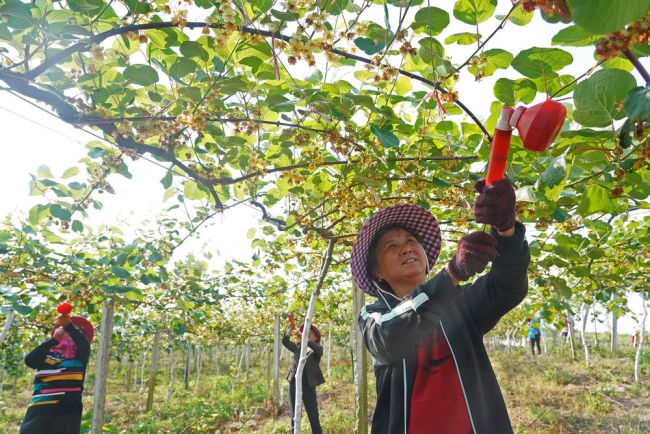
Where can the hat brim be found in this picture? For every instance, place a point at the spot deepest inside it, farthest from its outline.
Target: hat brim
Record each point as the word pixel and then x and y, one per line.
pixel 413 217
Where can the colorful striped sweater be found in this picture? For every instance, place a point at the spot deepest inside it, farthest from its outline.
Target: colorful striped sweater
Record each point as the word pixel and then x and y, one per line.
pixel 59 381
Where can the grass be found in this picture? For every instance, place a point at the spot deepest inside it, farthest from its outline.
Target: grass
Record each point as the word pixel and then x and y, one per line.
pixel 545 394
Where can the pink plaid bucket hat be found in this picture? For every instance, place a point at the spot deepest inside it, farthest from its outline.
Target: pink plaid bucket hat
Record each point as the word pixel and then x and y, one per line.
pixel 413 217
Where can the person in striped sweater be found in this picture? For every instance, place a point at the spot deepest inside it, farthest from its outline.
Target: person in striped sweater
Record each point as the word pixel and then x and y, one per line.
pixel 60 363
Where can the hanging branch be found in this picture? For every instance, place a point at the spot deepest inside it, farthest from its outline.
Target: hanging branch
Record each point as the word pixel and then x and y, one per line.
pixel 86 44
pixel 90 120
pixel 640 68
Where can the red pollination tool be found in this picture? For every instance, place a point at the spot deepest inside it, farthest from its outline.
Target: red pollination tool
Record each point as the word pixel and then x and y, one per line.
pixel 538 126
pixel 64 308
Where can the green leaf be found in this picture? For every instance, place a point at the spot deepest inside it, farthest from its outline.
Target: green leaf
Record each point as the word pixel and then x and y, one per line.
pixel 182 67
pixel 120 272
pixel 555 173
pixel 84 5
pixel 596 98
pixel 519 16
pixel 575 36
pixel 462 38
pixel 193 191
pixel 541 62
pixel 69 173
pixel 429 47
pixel 59 212
pixel 251 233
pixel 77 226
pixel 596 199
pixel 332 7
pixel 144 75
pixel 18 15
pixel 430 21
pixel 44 172
pixel 154 257
pixel 511 92
pixel 194 49
pixel 494 58
pixel 560 215
pixel 403 85
pixel 637 103
pixel 473 12
pixel 369 46
pixel 166 181
pixel 605 16
pixel 285 16
pixel 386 137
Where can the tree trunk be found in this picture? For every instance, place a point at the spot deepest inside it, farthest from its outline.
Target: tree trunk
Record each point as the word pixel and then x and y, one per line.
pixel 7 326
pixel 198 369
pixel 637 358
pixel 144 362
pixel 585 316
pixel 325 264
pixel 171 372
pixel 101 368
pixel 127 376
pixel 276 357
pixel 154 370
pixel 329 350
pixel 571 329
pixel 186 373
pixel 613 343
pixel 360 366
pixel 248 356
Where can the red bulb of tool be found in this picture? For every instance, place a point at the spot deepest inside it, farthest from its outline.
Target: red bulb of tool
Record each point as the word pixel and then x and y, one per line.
pixel 64 308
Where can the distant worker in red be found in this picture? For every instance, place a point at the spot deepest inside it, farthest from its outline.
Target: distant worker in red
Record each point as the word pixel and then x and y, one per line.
pixel 425 334
pixel 60 363
pixel 312 375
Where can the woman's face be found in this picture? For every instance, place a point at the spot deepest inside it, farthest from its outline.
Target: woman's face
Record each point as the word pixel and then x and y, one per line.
pixel 400 258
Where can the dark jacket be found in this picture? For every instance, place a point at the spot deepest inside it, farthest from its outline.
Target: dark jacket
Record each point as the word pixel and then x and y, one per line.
pixel 312 373
pixel 54 372
pixel 465 313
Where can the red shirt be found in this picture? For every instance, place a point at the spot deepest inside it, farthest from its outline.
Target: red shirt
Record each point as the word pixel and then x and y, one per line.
pixel 437 401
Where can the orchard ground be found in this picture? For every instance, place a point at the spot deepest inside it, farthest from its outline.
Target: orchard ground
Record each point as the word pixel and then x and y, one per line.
pixel 550 393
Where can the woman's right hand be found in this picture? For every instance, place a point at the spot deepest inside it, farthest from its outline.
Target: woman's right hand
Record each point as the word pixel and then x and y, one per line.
pixel 58 334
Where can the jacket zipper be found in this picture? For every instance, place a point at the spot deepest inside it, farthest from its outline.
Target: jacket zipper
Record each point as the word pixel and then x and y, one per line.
pixel 469 412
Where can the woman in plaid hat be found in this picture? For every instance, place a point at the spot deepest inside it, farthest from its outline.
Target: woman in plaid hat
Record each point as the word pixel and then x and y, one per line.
pixel 60 365
pixel 312 375
pixel 426 334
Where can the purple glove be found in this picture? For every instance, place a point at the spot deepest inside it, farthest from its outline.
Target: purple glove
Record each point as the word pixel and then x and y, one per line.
pixel 473 253
pixel 495 204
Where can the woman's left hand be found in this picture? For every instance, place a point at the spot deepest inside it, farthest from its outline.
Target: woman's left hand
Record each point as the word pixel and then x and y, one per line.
pixel 495 204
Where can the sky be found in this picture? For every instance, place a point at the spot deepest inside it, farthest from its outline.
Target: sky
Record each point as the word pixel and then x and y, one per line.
pixel 32 138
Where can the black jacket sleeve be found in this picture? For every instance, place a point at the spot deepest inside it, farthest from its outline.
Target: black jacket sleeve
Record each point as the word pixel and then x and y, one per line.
pixel 37 356
pixel 316 348
pixel 289 344
pixel 83 346
pixel 390 336
pixel 492 295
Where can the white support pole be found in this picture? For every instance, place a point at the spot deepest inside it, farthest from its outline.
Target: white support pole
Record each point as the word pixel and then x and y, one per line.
pixel 276 357
pixel 613 343
pixel 325 264
pixel 153 370
pixel 101 368
pixel 7 326
pixel 171 371
pixel 360 365
pixel 641 339
pixel 329 350
pixel 583 330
